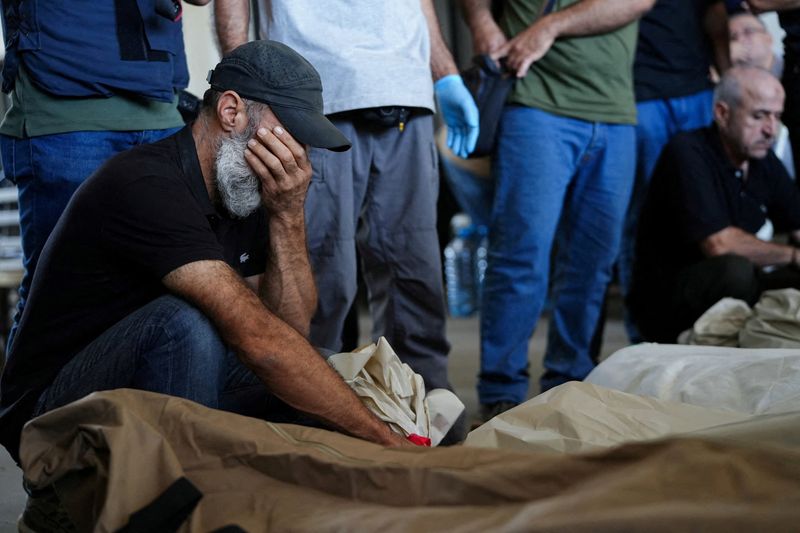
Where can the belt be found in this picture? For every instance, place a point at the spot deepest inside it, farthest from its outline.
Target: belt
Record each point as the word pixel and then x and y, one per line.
pixel 381 117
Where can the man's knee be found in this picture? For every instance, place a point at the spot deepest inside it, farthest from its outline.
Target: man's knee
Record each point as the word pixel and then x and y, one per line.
pixel 184 323
pixel 662 313
pixel 183 354
pixel 734 276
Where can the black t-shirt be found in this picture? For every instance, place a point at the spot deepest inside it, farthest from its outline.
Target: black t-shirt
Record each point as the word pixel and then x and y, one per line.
pixel 143 214
pixel 790 22
pixel 674 54
pixel 696 192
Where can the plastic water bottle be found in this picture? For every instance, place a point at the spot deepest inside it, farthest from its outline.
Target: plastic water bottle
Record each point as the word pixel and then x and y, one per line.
pixel 459 268
pixel 481 259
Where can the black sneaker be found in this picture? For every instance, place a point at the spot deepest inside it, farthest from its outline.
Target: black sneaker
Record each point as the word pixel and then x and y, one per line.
pixel 44 514
pixel 457 433
pixel 491 410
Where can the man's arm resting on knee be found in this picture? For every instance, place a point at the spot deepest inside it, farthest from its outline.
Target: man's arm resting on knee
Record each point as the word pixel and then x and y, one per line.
pixel 284 361
pixel 733 240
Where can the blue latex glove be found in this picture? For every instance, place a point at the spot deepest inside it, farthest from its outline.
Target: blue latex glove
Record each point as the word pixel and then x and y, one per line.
pixel 459 112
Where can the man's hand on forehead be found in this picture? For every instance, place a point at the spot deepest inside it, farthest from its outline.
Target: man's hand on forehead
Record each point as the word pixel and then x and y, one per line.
pixel 282 165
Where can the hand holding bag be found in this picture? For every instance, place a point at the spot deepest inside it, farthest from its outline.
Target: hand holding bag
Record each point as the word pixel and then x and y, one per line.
pixel 489 83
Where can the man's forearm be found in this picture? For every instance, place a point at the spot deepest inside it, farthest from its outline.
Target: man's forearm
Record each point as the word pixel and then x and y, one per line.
pixel 283 360
pixel 773 5
pixel 287 287
pixel 486 34
pixel 477 14
pixel 442 62
pixel 733 240
pixel 232 22
pixel 716 26
pixel 590 17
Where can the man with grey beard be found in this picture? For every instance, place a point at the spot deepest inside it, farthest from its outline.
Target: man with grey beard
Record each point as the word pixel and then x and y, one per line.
pixel 181 267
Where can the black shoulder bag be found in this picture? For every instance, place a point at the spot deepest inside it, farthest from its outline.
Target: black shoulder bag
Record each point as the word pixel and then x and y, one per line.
pixel 489 82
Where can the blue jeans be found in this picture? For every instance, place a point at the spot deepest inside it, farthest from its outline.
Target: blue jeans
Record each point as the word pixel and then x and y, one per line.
pixel 659 120
pixel 550 169
pixel 169 347
pixel 47 170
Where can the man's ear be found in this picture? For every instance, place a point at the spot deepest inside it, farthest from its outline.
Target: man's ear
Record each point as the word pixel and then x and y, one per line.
pixel 230 111
pixel 721 114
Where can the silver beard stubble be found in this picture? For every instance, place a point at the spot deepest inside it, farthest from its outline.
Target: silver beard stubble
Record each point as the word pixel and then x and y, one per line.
pixel 239 188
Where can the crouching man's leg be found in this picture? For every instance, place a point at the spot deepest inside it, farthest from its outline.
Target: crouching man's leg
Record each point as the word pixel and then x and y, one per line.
pixel 705 283
pixel 167 346
pixel 662 311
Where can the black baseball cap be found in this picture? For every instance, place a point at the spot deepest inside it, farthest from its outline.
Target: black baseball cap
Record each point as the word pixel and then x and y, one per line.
pixel 272 73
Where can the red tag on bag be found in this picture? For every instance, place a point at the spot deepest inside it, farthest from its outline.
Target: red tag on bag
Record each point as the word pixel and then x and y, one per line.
pixel 419 440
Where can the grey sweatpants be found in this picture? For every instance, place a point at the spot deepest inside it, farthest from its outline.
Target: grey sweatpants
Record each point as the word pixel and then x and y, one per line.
pixel 380 196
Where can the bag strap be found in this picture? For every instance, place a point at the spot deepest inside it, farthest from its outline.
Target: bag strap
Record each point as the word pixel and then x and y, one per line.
pixel 167 512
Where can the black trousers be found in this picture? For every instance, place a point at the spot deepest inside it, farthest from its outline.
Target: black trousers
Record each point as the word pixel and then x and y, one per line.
pixel 663 310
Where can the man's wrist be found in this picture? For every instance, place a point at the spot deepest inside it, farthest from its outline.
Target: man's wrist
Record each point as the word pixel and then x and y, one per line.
pixel 390 438
pixel 550 25
pixel 446 81
pixel 287 220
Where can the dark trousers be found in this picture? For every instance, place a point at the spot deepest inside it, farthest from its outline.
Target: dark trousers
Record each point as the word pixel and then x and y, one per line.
pixel 661 316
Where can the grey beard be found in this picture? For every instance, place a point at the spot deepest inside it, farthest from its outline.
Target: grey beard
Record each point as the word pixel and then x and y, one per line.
pixel 238 187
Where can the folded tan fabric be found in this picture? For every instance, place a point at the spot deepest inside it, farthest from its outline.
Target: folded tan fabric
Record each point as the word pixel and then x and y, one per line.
pixel 775 322
pixel 720 325
pixel 395 393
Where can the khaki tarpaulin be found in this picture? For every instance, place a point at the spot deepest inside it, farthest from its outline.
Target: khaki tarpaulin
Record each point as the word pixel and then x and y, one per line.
pixel 113 453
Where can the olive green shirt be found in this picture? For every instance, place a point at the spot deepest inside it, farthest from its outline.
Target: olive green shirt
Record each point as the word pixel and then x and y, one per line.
pixel 588 78
pixel 34 112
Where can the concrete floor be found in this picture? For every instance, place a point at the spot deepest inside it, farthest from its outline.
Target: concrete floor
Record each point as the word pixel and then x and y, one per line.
pixel 464 360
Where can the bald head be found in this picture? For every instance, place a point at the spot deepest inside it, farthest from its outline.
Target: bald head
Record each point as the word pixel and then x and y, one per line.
pixel 748 103
pixel 746 79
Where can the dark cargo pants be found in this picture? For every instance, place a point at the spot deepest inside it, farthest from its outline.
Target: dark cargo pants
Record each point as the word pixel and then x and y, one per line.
pixel 380 196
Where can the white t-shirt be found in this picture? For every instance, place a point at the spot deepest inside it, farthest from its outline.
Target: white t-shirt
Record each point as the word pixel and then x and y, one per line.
pixel 369 53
